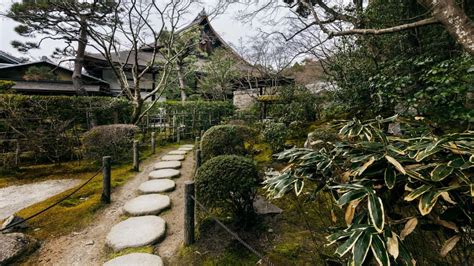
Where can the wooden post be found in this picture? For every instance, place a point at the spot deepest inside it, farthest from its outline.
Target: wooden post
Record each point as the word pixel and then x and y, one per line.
pixel 173 127
pixel 136 156
pixel 106 179
pixel 189 206
pixel 153 145
pixel 177 135
pixel 198 160
pixel 196 143
pixel 17 153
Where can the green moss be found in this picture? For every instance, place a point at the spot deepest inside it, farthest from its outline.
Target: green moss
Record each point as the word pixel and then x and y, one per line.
pixel 145 249
pixel 264 154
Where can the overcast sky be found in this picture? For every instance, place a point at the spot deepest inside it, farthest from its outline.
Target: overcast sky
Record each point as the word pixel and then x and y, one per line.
pixel 230 28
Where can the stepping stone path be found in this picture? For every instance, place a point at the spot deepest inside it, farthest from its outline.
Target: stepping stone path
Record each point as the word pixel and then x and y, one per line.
pixel 172 158
pixel 167 165
pixel 146 228
pixel 144 259
pixel 156 186
pixel 178 152
pixel 164 173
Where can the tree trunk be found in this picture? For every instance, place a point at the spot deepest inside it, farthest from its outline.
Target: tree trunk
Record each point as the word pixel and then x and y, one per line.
pixel 79 60
pixel 454 19
pixel 137 110
pixel 182 86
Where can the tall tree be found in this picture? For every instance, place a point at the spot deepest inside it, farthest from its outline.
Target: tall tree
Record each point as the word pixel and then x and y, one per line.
pixel 67 20
pixel 145 25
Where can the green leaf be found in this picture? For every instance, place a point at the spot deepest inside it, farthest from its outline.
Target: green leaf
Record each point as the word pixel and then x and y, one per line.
pixel 379 250
pixel 428 201
pixel 351 195
pixel 440 172
pixel 404 254
pixel 338 236
pixel 395 163
pixel 390 177
pixel 417 192
pixel 361 248
pixel 346 246
pixel 299 184
pixel 376 211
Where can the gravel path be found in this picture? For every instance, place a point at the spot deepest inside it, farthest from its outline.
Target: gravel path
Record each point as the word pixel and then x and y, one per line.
pixel 18 197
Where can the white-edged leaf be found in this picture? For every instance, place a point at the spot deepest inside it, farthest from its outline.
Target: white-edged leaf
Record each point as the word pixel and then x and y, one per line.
pixel 390 177
pixel 299 184
pixel 417 192
pixel 364 167
pixel 440 172
pixel 361 248
pixel 346 246
pixel 376 212
pixel 395 163
pixel 379 251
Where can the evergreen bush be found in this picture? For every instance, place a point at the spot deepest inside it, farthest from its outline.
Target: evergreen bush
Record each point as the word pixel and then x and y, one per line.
pixel 228 182
pixel 226 139
pixel 275 134
pixel 111 140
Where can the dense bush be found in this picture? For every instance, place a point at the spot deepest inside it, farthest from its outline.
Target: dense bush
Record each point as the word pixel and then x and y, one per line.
pixel 228 182
pixel 111 140
pixel 275 134
pixel 294 104
pixel 226 139
pixel 6 85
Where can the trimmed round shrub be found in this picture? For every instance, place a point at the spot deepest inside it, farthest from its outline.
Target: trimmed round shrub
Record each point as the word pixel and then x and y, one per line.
pixel 275 134
pixel 228 182
pixel 226 139
pixel 111 140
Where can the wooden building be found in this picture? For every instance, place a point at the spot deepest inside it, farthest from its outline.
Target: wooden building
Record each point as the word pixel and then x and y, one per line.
pixel 47 78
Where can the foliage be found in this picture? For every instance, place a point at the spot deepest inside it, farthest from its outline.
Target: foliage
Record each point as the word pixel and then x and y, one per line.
pixel 275 134
pixel 295 104
pixel 220 73
pixel 415 72
pixel 6 85
pixel 228 182
pixel 388 185
pixel 49 127
pixel 37 73
pixel 109 140
pixel 226 139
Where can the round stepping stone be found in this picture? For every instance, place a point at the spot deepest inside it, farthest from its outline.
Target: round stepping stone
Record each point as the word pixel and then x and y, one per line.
pixel 147 204
pixel 164 174
pixel 167 165
pixel 177 152
pixel 156 186
pixel 187 146
pixel 135 259
pixel 172 158
pixel 136 232
pixel 185 149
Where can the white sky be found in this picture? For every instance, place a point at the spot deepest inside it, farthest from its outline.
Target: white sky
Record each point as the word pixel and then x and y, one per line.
pixel 226 25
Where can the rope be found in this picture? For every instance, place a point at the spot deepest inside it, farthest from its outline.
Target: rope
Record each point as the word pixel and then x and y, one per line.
pixel 258 254
pixel 54 204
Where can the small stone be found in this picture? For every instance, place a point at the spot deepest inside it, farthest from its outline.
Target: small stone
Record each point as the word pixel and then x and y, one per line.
pixel 172 158
pixel 17 222
pixel 136 232
pixel 156 186
pixel 270 230
pixel 36 229
pixel 147 204
pixel 135 259
pixel 185 149
pixel 90 243
pixel 166 165
pixel 164 173
pixel 15 245
pixel 177 152
pixel 187 146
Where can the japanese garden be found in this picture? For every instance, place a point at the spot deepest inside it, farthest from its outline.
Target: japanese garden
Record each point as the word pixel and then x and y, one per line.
pixel 215 132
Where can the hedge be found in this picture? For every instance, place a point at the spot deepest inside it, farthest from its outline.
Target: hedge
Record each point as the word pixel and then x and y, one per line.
pixel 50 127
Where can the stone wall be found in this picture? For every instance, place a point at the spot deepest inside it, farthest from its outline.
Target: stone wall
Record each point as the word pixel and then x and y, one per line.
pixel 244 99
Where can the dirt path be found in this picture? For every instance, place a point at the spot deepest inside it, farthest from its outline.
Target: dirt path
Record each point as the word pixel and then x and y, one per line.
pixel 87 247
pixel 18 197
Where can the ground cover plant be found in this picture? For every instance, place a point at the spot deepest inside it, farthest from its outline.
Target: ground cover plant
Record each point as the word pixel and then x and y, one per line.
pixel 391 188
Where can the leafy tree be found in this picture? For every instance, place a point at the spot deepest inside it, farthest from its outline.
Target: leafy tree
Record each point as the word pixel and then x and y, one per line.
pixel 67 20
pixel 184 50
pixel 219 75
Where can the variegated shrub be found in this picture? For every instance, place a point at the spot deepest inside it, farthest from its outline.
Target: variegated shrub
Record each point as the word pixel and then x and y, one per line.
pixel 380 180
